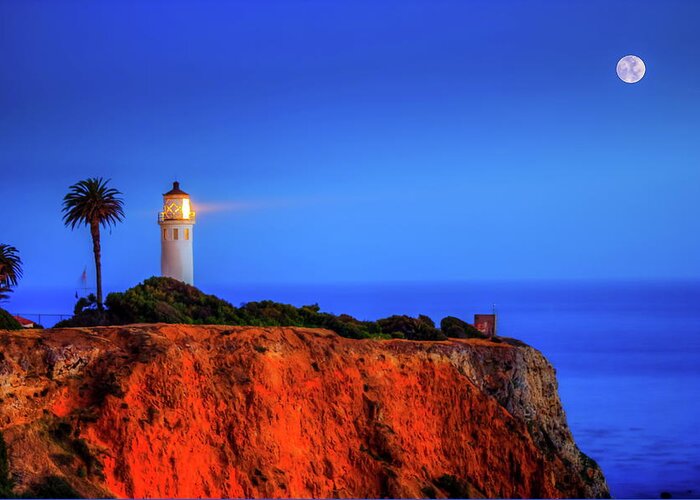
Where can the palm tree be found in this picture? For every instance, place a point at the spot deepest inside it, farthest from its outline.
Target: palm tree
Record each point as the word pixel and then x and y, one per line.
pixel 92 203
pixel 10 269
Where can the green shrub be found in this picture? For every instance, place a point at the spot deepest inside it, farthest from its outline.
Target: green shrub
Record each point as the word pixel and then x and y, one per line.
pixel 268 313
pixel 52 487
pixel 421 328
pixel 8 322
pixel 456 328
pixel 85 313
pixel 453 487
pixel 165 300
pixel 5 479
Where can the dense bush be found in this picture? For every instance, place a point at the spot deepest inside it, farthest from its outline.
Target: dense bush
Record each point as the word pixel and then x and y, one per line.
pixel 421 328
pixel 453 487
pixel 269 313
pixel 457 329
pixel 85 313
pixel 5 479
pixel 165 300
pixel 52 487
pixel 8 322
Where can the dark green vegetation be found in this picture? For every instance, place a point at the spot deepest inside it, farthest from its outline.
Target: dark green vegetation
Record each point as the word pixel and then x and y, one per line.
pixel 76 453
pixel 48 487
pixel 64 435
pixel 454 487
pixel 5 479
pixel 10 269
pixel 420 328
pixel 91 203
pixel 450 486
pixel 458 329
pixel 165 300
pixel 8 322
pixel 52 487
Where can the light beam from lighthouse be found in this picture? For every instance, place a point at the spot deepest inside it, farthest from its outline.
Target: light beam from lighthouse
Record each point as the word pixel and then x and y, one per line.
pixel 176 223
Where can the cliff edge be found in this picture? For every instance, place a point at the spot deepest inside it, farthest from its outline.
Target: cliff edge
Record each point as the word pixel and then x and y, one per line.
pixel 215 411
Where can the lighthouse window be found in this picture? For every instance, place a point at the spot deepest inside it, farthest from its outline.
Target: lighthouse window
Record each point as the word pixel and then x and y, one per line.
pixel 187 234
pixel 165 234
pixel 175 233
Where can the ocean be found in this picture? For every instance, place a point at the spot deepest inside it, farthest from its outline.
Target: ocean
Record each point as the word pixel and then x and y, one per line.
pixel 627 357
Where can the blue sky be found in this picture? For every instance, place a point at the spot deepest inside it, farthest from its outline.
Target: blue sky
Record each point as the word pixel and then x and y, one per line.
pixel 339 141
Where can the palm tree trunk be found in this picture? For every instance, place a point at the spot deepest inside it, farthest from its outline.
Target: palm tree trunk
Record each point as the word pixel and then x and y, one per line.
pixel 97 250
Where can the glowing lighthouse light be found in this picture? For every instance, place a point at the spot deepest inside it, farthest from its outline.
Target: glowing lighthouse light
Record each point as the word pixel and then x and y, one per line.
pixel 186 208
pixel 176 223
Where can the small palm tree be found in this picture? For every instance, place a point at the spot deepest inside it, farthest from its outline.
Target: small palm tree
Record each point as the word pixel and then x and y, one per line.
pixel 10 269
pixel 91 203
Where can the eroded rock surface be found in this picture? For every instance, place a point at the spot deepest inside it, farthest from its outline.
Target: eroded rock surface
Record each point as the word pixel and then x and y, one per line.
pixel 213 411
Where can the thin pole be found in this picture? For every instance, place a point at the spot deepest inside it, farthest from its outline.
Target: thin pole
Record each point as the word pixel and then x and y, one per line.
pixel 495 320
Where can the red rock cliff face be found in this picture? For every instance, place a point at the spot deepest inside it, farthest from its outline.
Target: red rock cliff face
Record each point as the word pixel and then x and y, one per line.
pixel 184 411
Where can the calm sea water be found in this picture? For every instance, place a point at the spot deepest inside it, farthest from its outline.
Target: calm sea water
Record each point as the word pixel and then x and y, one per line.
pixel 627 357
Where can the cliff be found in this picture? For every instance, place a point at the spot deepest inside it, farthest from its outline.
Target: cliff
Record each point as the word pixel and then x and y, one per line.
pixel 185 411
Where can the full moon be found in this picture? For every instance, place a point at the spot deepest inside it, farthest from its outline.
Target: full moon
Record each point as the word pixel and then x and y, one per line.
pixel 631 69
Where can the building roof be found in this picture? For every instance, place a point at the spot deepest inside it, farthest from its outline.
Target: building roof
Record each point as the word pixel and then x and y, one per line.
pixel 176 191
pixel 24 321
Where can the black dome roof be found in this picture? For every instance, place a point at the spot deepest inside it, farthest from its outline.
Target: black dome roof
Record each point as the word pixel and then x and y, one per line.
pixel 176 190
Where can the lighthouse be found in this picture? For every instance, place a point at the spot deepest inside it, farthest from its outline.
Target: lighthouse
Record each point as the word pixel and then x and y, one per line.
pixel 176 222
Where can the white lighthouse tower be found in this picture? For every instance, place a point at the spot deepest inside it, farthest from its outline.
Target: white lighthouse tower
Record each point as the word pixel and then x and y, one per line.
pixel 176 222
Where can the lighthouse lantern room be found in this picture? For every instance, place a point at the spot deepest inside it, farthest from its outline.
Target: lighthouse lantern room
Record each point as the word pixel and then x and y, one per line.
pixel 176 222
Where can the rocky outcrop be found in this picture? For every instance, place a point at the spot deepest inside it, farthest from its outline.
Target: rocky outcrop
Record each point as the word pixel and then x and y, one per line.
pixel 213 411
